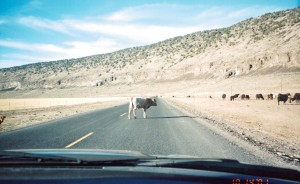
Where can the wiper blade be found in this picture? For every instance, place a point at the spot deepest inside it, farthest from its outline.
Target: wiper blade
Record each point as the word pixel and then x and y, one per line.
pixel 63 156
pixel 25 157
pixel 228 165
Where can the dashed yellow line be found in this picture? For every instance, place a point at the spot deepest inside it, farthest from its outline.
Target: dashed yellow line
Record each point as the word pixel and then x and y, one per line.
pixel 123 114
pixel 77 141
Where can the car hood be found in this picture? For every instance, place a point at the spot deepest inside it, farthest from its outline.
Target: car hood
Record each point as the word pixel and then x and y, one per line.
pixel 86 154
pixel 126 158
pixel 108 155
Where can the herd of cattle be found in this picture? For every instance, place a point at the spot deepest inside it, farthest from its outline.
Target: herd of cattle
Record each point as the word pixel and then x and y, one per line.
pixel 145 103
pixel 280 97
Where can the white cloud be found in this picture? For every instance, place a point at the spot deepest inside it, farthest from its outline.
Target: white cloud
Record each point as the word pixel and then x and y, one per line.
pixel 30 46
pixel 132 32
pixel 38 23
pixel 50 52
pixel 142 34
pixel 143 12
pixel 125 15
pixel 80 49
pixel 18 56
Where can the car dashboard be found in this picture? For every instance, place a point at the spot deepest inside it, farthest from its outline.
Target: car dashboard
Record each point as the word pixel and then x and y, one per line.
pixel 136 174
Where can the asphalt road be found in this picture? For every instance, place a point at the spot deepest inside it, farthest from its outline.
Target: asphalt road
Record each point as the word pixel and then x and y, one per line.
pixel 166 131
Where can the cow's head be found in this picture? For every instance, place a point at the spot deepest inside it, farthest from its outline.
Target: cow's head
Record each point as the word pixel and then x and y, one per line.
pixel 154 102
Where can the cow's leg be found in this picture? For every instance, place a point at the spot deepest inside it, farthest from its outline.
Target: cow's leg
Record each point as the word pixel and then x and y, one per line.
pixel 145 115
pixel 129 113
pixel 134 113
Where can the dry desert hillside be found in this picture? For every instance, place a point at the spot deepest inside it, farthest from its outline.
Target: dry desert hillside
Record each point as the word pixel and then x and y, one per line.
pixel 264 50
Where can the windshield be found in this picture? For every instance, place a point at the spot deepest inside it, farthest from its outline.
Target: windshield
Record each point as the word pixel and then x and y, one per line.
pixel 188 79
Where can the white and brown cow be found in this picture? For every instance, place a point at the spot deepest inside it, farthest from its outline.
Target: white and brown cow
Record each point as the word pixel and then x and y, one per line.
pixel 140 103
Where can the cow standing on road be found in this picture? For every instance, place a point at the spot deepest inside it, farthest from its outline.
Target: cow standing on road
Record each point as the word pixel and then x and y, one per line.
pixel 140 103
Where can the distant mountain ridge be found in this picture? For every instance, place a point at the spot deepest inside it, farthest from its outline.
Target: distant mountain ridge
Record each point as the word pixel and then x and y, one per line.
pixel 257 46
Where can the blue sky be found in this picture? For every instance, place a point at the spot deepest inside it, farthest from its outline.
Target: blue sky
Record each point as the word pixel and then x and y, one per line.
pixel 46 30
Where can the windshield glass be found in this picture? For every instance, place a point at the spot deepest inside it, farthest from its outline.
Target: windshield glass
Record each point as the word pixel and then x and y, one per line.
pixel 207 79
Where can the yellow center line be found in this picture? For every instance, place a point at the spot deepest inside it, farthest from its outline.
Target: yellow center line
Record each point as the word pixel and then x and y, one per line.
pixel 123 114
pixel 77 141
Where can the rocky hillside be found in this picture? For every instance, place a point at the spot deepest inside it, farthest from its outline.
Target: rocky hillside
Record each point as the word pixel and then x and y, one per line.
pixel 258 46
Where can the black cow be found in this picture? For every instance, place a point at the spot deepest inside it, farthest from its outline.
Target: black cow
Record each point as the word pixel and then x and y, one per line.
pixel 224 96
pixel 295 98
pixel 282 98
pixel 259 96
pixel 231 98
pixel 247 97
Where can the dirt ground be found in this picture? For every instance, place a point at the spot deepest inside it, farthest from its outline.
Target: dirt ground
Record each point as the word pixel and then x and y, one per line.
pixel 275 128
pixel 20 118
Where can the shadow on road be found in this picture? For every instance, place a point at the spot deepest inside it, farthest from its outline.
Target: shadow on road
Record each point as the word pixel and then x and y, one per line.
pixel 171 117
